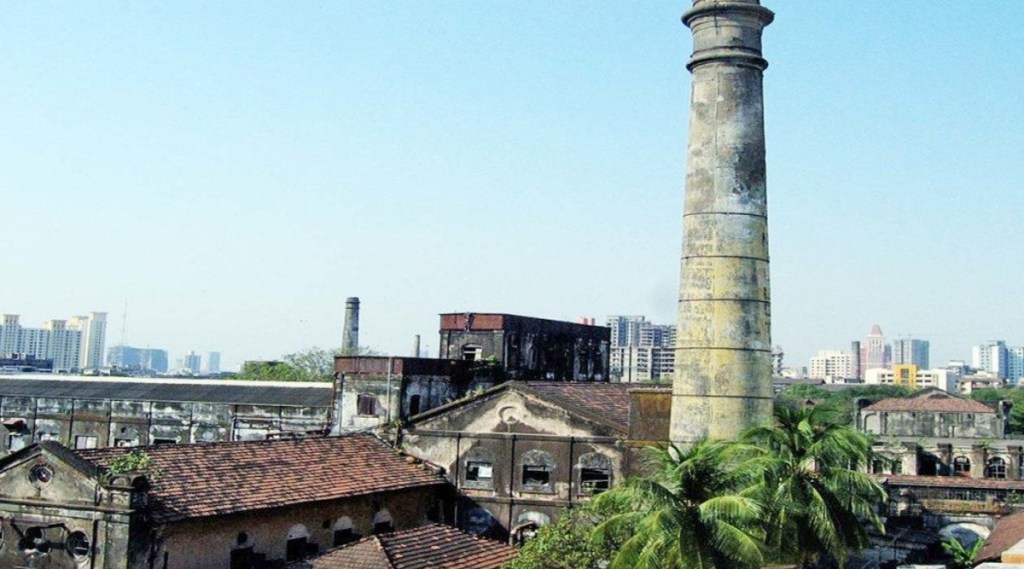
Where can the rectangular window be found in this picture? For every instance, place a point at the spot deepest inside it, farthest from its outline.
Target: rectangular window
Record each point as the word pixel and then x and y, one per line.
pixel 85 442
pixel 125 442
pixel 479 471
pixel 366 404
pixel 343 536
pixel 165 441
pixel 295 549
pixel 15 442
pixel 536 475
pixel 49 437
pixel 241 558
pixel 594 480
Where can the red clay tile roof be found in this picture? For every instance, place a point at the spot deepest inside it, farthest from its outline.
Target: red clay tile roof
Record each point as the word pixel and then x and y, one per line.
pixel 604 402
pixel 934 401
pixel 198 480
pixel 428 547
pixel 1008 532
pixel 952 482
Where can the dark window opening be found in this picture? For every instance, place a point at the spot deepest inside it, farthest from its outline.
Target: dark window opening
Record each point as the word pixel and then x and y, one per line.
pixel 366 404
pixel 165 441
pixel 383 527
pixel 997 468
pixel 125 442
pixel 414 405
pixel 241 558
pixel 477 471
pixel 962 466
pixel 34 542
pixel 343 536
pixel 295 549
pixel 595 480
pixel 536 475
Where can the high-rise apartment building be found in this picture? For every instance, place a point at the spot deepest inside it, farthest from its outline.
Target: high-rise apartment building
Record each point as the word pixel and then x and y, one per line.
pixel 1015 365
pixel 213 362
pixel 874 352
pixel 993 357
pixel 641 350
pixel 831 365
pixel 94 335
pixel 906 351
pixel 54 341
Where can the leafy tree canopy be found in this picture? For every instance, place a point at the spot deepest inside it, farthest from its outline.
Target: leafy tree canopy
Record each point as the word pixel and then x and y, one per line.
pixel 1016 395
pixel 839 402
pixel 567 544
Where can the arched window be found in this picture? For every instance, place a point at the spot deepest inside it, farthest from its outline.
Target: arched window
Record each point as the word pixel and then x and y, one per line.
pixel 297 544
pixel 595 473
pixel 479 468
pixel 344 532
pixel 996 468
pixel 537 469
pixel 961 466
pixel 382 522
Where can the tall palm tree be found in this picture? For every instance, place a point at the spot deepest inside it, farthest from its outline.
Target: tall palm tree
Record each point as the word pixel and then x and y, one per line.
pixel 816 501
pixel 691 513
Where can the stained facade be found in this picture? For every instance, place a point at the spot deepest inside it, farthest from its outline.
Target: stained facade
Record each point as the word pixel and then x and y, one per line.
pixel 522 451
pixel 527 348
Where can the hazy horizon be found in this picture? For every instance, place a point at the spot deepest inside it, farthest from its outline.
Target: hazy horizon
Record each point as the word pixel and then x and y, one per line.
pixel 236 171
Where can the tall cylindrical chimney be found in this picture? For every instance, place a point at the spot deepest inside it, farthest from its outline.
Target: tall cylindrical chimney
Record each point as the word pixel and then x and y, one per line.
pixel 350 336
pixel 723 352
pixel 416 346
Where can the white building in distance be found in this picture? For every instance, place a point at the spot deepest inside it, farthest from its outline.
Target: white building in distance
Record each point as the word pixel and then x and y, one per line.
pixel 641 351
pixel 94 337
pixel 831 365
pixel 911 376
pixel 55 340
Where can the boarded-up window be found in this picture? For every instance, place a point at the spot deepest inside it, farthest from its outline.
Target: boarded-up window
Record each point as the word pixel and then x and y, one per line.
pixel 366 404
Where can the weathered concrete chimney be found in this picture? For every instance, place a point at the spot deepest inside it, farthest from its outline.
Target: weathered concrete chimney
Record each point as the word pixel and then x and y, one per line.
pixel 416 346
pixel 723 352
pixel 350 336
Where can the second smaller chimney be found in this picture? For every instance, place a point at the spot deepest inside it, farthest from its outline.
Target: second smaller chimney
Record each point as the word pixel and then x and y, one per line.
pixel 350 335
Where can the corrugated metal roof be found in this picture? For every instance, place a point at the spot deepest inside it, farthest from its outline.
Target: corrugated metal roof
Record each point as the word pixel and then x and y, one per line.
pixel 242 393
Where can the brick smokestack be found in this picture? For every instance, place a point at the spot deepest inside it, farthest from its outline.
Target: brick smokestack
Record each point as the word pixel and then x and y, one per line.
pixel 350 335
pixel 723 352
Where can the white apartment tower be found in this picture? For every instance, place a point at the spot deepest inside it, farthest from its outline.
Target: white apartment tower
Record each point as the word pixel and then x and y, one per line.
pixel 94 336
pixel 831 365
pixel 641 351
pixel 54 341
pixel 993 357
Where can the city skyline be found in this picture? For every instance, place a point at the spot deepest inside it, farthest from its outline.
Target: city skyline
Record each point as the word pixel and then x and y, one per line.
pixel 254 172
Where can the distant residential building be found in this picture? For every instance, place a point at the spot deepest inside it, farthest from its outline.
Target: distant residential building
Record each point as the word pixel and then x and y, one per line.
pixel 213 362
pixel 993 357
pixel 141 359
pixel 192 362
pixel 911 351
pixel 874 352
pixel 94 334
pixel 54 341
pixel 22 363
pixel 909 375
pixel 641 350
pixel 831 365
pixel 1015 365
pixel 777 365
pixel 966 384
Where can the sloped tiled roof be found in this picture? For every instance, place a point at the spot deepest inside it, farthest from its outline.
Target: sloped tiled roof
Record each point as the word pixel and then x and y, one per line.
pixel 931 400
pixel 1008 532
pixel 428 547
pixel 199 480
pixel 953 482
pixel 604 402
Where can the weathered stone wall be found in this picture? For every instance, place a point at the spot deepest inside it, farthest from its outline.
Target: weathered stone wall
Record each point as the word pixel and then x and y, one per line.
pixel 208 543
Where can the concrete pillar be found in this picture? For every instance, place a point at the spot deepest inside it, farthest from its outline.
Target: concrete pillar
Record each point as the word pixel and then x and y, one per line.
pixel 979 459
pixel 350 335
pixel 723 351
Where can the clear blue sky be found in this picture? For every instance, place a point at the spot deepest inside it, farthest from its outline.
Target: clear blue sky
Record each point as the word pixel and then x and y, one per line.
pixel 235 170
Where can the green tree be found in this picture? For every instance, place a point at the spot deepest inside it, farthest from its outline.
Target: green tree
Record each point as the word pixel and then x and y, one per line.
pixel 816 502
pixel 962 557
pixel 693 512
pixel 839 402
pixel 566 544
